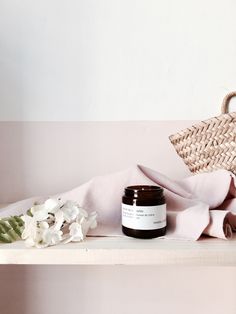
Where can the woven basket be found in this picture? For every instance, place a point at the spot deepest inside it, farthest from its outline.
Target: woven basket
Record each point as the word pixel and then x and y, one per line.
pixel 210 144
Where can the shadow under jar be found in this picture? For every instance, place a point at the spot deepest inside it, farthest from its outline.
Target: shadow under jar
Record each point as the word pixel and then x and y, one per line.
pixel 144 212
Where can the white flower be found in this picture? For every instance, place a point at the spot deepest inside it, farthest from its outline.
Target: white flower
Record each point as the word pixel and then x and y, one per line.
pixel 70 210
pixel 43 225
pixel 51 236
pixel 76 232
pixel 79 229
pixel 41 212
pixel 39 234
pixel 48 220
pixel 59 219
pixel 32 234
pixel 52 205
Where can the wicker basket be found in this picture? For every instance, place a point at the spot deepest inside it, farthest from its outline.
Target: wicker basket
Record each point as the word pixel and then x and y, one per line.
pixel 210 144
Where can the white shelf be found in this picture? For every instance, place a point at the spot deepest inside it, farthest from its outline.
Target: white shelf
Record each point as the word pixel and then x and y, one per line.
pixel 125 251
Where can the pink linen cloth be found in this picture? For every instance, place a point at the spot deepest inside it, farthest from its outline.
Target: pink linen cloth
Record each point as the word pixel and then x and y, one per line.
pixel 200 204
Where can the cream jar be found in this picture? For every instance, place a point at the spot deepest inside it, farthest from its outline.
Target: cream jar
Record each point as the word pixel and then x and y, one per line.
pixel 144 212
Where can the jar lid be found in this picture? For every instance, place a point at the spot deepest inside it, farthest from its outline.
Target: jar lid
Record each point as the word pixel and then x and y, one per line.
pixel 144 191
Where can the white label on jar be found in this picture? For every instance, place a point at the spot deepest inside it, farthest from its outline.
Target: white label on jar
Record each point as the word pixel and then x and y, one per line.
pixel 144 217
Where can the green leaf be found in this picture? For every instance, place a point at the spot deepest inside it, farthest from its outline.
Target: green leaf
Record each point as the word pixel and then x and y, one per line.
pixel 19 220
pixel 29 213
pixel 5 225
pixel 5 238
pixel 13 235
pixel 11 229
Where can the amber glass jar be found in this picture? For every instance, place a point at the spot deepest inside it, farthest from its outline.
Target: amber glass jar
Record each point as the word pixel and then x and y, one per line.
pixel 144 212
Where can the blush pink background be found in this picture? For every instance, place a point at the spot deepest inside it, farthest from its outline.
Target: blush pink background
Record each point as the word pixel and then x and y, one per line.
pixel 49 157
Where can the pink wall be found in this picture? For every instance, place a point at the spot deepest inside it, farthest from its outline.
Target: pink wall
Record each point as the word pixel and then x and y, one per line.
pixel 49 157
pixel 117 290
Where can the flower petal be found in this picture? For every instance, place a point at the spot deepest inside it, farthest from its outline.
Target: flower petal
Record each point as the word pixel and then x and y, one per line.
pixel 51 237
pixel 59 219
pixel 43 225
pixel 40 215
pixel 70 203
pixel 76 231
pixel 70 213
pixel 37 208
pixel 52 205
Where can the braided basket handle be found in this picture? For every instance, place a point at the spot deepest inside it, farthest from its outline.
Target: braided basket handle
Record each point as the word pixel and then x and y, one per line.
pixel 226 100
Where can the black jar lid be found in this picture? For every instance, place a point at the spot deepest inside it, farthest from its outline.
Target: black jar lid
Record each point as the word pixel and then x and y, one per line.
pixel 144 191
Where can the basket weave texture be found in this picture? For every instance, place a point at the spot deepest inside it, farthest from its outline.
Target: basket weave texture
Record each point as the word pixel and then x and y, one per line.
pixel 210 144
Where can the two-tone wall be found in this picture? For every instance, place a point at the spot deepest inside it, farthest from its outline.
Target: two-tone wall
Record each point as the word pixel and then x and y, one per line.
pixel 92 86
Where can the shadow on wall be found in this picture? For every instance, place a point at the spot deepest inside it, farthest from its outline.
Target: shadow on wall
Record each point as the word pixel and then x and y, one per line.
pixel 13 292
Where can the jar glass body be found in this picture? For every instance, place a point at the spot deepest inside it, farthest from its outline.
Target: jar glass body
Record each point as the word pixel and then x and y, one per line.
pixel 143 212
